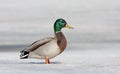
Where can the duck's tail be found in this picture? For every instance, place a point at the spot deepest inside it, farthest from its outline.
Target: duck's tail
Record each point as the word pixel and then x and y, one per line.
pixel 24 54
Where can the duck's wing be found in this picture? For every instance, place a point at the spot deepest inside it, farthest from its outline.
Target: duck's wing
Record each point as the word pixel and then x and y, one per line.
pixel 38 43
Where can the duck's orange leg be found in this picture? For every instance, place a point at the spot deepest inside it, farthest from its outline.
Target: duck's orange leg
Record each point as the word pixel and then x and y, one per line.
pixel 47 61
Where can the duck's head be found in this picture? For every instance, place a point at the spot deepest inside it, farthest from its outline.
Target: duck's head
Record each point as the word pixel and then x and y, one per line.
pixel 59 24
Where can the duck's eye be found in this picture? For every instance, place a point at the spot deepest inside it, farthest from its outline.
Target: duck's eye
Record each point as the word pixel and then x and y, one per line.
pixel 62 22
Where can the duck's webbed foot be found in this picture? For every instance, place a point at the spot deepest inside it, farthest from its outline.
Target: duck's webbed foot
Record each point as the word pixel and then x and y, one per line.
pixel 47 61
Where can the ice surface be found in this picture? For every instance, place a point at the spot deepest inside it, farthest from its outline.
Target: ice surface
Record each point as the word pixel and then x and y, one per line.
pixel 69 62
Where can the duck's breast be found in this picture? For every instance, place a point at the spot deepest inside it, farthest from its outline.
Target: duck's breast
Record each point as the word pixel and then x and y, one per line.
pixel 61 41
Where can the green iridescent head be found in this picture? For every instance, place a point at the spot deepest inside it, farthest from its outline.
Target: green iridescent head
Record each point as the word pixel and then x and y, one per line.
pixel 59 24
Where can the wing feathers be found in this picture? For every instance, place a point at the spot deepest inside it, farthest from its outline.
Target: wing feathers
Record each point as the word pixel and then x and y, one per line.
pixel 39 43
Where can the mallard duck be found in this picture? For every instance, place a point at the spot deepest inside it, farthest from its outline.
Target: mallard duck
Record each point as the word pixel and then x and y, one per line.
pixel 49 47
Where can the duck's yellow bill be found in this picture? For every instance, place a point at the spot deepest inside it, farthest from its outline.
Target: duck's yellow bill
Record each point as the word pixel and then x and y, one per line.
pixel 68 26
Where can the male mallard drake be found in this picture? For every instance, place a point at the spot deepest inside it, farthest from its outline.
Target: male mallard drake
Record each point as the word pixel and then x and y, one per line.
pixel 49 47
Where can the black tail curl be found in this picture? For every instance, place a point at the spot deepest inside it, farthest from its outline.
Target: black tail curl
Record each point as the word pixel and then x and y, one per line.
pixel 24 54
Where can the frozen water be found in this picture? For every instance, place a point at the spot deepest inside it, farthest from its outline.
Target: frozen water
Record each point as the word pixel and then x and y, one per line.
pixel 71 61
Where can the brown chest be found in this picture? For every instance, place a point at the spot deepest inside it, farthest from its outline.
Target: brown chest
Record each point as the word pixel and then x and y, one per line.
pixel 61 41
